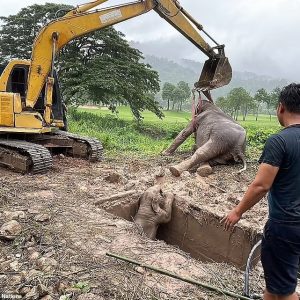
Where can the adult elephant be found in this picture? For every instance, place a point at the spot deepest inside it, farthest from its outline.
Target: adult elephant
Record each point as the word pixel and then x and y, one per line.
pixel 155 208
pixel 219 140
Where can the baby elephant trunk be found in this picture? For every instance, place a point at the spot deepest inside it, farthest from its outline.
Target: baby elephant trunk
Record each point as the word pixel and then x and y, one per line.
pixel 155 209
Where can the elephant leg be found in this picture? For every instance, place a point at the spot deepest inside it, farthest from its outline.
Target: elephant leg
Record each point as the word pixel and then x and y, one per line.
pixel 166 211
pixel 181 137
pixel 204 170
pixel 203 154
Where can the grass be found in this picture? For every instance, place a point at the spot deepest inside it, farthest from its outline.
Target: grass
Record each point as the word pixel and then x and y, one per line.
pixel 171 117
pixel 120 133
pixel 126 136
pixel 174 117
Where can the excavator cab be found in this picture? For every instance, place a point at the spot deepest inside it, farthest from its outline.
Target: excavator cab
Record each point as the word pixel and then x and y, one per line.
pixel 216 72
pixel 17 83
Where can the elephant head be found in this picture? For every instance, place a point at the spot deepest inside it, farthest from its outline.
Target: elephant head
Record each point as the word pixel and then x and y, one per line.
pixel 155 208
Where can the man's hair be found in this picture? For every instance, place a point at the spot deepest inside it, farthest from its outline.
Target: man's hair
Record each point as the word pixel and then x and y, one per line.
pixel 290 98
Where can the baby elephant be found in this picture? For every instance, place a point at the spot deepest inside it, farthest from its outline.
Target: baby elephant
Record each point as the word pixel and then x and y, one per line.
pixel 155 208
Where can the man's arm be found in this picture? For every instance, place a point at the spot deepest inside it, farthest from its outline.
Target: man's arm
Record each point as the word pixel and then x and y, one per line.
pixel 256 191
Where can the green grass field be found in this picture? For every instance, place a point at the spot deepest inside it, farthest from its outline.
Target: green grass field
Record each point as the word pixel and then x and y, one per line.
pixel 121 133
pixel 174 117
pixel 171 117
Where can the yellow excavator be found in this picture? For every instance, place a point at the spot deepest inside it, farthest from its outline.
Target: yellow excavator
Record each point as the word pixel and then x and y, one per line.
pixel 32 113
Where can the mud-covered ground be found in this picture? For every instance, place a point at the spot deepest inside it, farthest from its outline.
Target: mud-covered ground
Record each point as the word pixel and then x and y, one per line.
pixel 58 252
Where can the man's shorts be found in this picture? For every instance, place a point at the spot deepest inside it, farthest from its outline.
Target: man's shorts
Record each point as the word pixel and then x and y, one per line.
pixel 280 253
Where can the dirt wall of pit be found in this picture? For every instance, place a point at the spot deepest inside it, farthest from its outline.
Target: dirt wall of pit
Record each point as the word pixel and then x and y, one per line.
pixel 197 232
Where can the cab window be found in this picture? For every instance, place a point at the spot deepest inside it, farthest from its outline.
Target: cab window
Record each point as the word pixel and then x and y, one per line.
pixel 18 81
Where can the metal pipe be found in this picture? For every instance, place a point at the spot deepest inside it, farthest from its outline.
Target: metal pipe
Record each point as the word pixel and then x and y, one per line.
pixel 173 275
pixel 248 267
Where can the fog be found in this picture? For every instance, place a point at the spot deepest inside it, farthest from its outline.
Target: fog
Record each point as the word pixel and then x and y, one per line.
pixel 260 36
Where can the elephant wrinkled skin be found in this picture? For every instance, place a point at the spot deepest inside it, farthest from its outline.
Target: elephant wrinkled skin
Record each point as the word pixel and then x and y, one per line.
pixel 219 140
pixel 155 208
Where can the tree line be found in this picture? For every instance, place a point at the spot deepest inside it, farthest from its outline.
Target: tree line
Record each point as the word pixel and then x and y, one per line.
pixel 239 101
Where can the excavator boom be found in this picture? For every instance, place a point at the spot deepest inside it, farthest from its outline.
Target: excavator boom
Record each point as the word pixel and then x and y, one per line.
pixel 80 21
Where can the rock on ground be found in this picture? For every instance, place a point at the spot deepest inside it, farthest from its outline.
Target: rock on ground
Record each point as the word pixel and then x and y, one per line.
pixel 10 230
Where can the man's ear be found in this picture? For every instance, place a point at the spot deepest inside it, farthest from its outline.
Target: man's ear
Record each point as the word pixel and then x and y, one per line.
pixel 281 109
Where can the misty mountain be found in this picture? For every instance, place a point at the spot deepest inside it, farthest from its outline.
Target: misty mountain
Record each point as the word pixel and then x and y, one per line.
pixel 189 71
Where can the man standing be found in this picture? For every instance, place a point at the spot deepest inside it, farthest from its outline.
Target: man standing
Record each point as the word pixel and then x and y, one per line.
pixel 278 174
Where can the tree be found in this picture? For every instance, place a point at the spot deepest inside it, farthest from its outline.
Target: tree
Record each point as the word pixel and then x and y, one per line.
pixel 234 100
pixel 247 104
pixel 275 94
pixel 238 99
pixel 110 86
pixel 100 66
pixel 269 102
pixel 261 96
pixel 167 93
pixel 111 72
pixel 223 103
pixel 270 99
pixel 177 96
pixel 184 86
pixel 18 31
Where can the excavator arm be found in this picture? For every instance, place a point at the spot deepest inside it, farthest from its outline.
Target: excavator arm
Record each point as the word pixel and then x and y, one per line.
pixel 80 21
pixel 60 32
pixel 217 71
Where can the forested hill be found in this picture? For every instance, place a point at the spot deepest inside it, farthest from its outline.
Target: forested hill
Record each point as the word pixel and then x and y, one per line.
pixel 189 71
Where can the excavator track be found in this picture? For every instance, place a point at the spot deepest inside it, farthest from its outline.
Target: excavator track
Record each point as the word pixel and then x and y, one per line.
pixel 95 148
pixel 25 157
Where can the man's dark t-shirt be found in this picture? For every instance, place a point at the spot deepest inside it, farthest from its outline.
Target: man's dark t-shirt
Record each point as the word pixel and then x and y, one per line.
pixel 283 150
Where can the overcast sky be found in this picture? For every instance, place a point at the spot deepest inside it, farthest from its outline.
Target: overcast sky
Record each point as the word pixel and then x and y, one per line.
pixel 260 35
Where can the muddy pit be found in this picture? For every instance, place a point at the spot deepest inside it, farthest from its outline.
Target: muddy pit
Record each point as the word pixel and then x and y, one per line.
pixel 197 232
pixel 61 248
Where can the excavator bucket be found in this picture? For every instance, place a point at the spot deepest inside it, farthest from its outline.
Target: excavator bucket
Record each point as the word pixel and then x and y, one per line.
pixel 216 72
